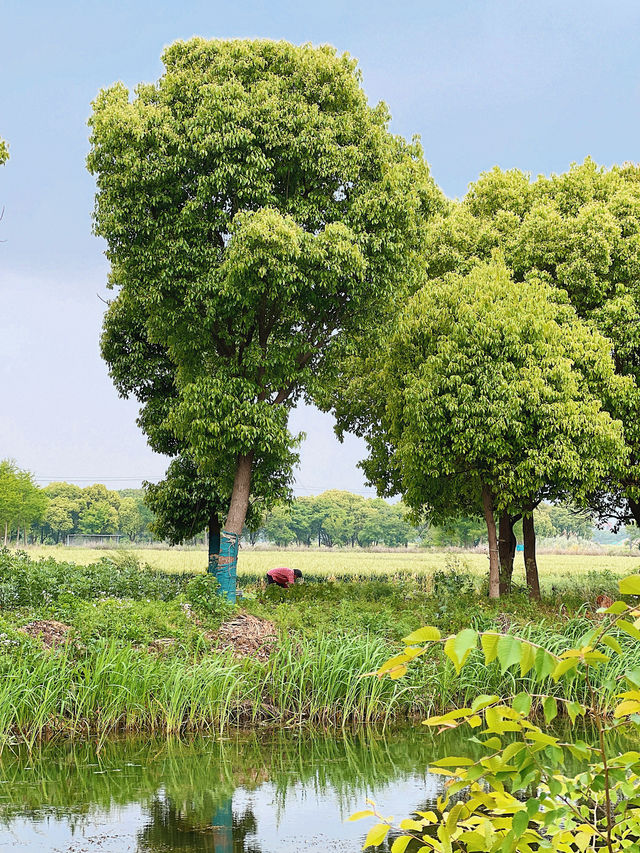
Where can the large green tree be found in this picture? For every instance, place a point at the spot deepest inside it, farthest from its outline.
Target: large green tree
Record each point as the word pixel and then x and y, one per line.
pixel 256 211
pixel 580 231
pixel 488 395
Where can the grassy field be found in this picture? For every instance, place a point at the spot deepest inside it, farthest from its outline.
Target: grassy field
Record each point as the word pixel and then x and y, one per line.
pixel 553 567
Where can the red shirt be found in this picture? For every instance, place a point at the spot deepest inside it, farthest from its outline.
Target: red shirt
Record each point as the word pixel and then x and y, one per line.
pixel 282 576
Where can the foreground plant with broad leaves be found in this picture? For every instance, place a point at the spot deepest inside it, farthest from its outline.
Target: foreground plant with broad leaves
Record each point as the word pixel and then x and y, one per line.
pixel 520 796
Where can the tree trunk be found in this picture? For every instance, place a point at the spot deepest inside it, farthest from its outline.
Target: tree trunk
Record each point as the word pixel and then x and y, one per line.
pixel 230 537
pixel 240 495
pixel 6 532
pixel 530 562
pixel 634 509
pixel 489 517
pixel 214 543
pixel 507 550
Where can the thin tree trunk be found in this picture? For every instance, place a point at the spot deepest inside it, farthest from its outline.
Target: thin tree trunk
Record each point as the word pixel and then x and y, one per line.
pixel 530 562
pixel 489 517
pixel 506 552
pixel 214 543
pixel 507 543
pixel 6 532
pixel 634 508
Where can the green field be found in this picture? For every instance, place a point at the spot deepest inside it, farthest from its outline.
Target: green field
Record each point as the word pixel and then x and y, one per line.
pixel 327 563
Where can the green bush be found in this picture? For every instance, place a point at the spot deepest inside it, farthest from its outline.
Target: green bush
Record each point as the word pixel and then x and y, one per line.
pixel 35 583
pixel 202 593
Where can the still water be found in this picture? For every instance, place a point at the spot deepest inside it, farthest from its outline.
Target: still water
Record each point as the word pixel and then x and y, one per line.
pixel 277 792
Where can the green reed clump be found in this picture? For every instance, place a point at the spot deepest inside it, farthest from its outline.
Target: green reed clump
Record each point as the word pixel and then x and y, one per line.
pixel 111 688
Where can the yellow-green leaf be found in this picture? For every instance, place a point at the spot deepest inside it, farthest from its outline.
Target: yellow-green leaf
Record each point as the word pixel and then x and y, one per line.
pixel 360 815
pixel 629 706
pixel 376 835
pixel 564 667
pixel 489 646
pixel 429 634
pixel 400 844
pixel 630 585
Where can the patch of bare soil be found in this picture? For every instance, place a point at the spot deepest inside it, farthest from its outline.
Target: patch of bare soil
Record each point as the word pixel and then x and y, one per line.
pixel 246 636
pixel 162 645
pixel 51 633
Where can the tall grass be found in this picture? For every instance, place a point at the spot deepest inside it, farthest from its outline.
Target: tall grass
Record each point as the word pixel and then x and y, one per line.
pixel 310 681
pixel 111 688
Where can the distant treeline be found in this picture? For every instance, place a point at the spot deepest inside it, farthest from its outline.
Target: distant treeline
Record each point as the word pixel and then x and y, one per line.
pixel 32 514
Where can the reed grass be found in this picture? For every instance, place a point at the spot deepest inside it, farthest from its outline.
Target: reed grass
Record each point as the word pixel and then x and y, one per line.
pixel 113 689
pixel 318 681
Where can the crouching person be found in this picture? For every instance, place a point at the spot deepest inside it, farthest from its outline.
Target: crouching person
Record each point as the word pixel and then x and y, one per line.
pixel 283 577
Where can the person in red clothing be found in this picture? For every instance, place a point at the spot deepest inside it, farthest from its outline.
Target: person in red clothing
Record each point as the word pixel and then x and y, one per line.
pixel 283 577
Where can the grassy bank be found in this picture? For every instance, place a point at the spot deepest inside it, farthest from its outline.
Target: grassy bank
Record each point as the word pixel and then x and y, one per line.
pixel 139 650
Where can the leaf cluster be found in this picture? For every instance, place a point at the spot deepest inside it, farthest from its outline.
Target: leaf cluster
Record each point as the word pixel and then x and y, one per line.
pixel 518 796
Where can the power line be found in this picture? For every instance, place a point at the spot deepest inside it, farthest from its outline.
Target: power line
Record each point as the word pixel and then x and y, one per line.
pixel 299 487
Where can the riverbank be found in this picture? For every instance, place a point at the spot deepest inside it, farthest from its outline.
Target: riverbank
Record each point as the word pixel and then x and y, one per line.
pixel 94 650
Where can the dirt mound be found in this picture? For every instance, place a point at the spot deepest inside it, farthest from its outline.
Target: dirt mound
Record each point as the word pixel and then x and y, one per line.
pixel 48 630
pixel 162 645
pixel 245 636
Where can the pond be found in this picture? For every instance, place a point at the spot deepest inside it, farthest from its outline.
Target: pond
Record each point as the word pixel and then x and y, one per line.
pixel 276 792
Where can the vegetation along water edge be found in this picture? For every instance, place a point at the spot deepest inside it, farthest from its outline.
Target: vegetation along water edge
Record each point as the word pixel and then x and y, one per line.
pixel 116 646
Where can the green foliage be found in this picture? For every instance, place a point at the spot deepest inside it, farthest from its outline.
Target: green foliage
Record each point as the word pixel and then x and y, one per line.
pixel 554 520
pixel 519 796
pixel 338 518
pixel 22 503
pixel 126 621
pixel 130 519
pixel 579 231
pixel 4 152
pixel 71 509
pixel 202 592
pixel 256 211
pixel 492 381
pixel 454 580
pixel 34 583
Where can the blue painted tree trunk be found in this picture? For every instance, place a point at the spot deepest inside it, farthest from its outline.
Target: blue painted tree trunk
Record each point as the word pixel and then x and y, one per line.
pixel 223 828
pixel 226 570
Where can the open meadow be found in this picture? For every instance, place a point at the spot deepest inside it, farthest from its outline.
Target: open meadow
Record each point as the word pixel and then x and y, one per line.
pixel 360 564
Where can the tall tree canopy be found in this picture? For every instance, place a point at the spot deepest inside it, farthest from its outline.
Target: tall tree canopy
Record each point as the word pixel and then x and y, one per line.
pixel 489 394
pixel 256 211
pixel 4 152
pixel 22 502
pixel 580 231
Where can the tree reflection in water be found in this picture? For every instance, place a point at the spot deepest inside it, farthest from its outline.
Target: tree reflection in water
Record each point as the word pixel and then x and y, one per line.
pixel 185 789
pixel 176 827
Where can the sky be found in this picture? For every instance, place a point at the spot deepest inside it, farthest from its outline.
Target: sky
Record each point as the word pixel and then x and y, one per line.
pixel 535 85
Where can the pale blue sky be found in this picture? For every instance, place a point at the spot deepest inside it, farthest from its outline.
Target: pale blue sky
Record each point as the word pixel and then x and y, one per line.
pixel 535 85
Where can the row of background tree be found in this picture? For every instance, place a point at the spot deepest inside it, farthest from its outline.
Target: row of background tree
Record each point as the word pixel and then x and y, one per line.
pixel 32 514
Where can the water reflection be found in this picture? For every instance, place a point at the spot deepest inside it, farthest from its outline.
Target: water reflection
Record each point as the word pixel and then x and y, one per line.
pixel 245 794
pixel 274 793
